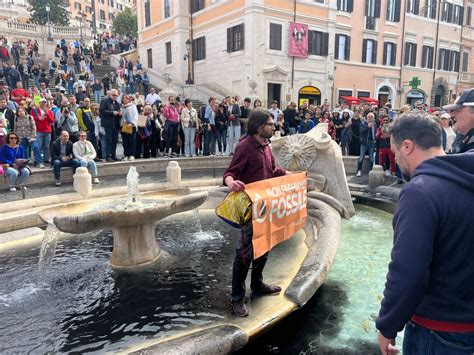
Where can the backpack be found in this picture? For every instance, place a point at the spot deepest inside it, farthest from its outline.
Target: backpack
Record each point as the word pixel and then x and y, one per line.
pixel 202 112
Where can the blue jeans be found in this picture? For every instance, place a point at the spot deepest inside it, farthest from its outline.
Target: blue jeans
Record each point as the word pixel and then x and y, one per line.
pixel 189 147
pixel 234 136
pixel 58 164
pixel 422 341
pixel 369 147
pixel 222 140
pixel 90 165
pixel 210 137
pixel 110 142
pixel 34 147
pixel 13 174
pixel 43 139
pixel 97 96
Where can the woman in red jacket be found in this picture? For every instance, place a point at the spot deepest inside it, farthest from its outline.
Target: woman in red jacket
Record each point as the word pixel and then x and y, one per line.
pixel 44 119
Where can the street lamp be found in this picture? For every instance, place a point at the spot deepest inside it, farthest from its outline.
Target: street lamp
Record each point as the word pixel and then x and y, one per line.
pixel 187 56
pixel 48 9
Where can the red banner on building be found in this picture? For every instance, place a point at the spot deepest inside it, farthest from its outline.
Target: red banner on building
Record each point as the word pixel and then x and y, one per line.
pixel 298 41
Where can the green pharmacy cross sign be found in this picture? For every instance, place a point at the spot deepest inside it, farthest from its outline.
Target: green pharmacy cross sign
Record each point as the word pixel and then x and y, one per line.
pixel 414 82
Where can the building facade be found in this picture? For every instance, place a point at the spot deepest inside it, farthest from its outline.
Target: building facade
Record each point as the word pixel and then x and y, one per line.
pixel 398 51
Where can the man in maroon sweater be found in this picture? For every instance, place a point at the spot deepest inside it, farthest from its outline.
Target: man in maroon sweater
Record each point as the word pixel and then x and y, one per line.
pixel 253 161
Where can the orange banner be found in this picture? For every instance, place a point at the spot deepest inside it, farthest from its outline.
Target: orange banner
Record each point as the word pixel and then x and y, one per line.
pixel 278 210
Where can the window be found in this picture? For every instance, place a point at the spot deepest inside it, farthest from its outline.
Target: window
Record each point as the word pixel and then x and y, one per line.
pixel 344 93
pixel 147 13
pixel 393 11
pixel 345 5
pixel 410 54
pixel 149 56
pixel 430 9
pixel 343 47
pixel 102 15
pixel 88 9
pixel 111 16
pixel 167 12
pixel 197 5
pixel 413 7
pixel 465 62
pixel 454 61
pixel 447 15
pixel 389 53
pixel 427 57
pixel 369 51
pixel 235 38
pixel 77 6
pixel 372 8
pixel 199 48
pixel 169 58
pixel 275 36
pixel 362 94
pixel 318 43
pixel 469 16
pixel 458 15
pixel 111 3
pixel 443 61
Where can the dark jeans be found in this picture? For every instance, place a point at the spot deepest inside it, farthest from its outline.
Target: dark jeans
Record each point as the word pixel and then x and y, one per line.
pixel 142 146
pixel 92 138
pixel 210 138
pixel 422 341
pixel 128 141
pixel 58 164
pixel 243 258
pixel 171 136
pixel 222 140
pixel 110 142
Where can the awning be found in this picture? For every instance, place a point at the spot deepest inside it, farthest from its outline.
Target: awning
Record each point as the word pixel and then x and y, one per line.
pixel 370 100
pixel 350 100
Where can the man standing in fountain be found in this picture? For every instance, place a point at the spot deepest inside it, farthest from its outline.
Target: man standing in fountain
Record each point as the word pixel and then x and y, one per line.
pixel 253 161
pixel 430 280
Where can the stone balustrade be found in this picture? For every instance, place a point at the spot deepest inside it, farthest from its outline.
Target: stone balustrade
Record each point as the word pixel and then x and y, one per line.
pixel 39 32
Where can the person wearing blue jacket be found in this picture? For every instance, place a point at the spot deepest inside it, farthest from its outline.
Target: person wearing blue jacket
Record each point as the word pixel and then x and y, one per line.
pixel 9 152
pixel 430 281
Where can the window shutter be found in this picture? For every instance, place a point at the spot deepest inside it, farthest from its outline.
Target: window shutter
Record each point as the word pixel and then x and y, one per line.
pixel 350 5
pixel 311 39
pixel 374 52
pixel 385 47
pixel 469 16
pixel 377 9
pixel 416 10
pixel 413 55
pixel 325 43
pixel 456 64
pixel 434 5
pixel 367 8
pixel 406 60
pixel 336 49
pixel 348 48
pixel 279 37
pixel 242 36
pixel 394 54
pixel 440 55
pixel 203 48
pixel 364 50
pixel 450 12
pixel 461 16
pixel 397 11
pixel 229 40
pixel 423 57
pixel 431 58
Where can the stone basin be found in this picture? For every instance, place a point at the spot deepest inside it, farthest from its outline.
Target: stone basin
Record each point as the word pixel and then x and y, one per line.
pixel 132 223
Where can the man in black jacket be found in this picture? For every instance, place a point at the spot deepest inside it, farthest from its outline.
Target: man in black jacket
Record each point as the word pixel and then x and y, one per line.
pixel 62 155
pixel 463 112
pixel 110 120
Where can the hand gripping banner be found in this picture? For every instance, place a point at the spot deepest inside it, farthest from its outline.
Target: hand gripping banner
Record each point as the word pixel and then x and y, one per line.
pixel 278 210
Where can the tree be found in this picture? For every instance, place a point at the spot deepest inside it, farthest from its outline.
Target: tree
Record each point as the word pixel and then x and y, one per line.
pixel 125 24
pixel 58 14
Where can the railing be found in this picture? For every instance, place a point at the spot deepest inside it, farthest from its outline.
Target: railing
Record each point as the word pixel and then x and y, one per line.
pixel 16 29
pixel 27 27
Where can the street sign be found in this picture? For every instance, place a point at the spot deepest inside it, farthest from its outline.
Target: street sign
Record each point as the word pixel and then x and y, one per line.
pixel 414 82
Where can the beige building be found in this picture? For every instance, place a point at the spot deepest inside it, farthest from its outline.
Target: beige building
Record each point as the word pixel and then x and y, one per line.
pixel 398 51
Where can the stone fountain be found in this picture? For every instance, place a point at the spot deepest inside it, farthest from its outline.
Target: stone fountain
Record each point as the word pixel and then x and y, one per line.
pixel 131 220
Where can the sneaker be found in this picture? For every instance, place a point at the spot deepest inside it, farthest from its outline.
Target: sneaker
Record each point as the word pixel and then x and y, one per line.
pixel 174 154
pixel 57 183
pixel 12 189
pixel 239 309
pixel 387 172
pixel 95 181
pixel 359 173
pixel 265 289
pixel 116 159
pixel 41 166
pixel 109 160
pixel 131 158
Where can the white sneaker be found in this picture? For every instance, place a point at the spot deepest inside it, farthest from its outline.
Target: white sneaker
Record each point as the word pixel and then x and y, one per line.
pixel 359 173
pixel 95 181
pixel 12 189
pixel 125 159
pixel 41 166
pixel 131 158
pixel 387 172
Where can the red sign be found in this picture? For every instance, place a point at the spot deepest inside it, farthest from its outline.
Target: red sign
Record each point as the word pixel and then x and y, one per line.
pixel 298 41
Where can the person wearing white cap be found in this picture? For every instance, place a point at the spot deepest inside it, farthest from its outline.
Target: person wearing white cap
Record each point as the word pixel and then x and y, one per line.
pixel 447 134
pixel 463 112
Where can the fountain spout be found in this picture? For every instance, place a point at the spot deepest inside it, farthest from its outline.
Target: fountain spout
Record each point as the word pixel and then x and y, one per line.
pixel 132 183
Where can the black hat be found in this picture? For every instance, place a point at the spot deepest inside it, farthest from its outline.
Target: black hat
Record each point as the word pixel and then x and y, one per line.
pixel 466 99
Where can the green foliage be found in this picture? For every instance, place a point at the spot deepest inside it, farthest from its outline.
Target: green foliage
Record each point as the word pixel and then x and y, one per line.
pixel 58 14
pixel 125 24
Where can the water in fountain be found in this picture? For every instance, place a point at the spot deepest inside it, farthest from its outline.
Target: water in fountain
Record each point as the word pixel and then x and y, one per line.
pixel 132 183
pixel 48 246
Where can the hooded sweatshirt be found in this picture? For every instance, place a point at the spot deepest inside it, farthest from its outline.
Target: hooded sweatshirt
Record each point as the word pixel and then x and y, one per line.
pixel 431 275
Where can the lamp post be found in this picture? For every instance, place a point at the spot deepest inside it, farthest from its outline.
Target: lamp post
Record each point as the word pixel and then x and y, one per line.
pixel 187 56
pixel 48 9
